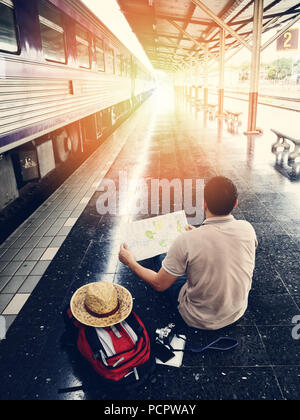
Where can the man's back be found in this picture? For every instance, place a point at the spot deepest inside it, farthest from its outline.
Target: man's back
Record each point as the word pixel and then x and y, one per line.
pixel 219 259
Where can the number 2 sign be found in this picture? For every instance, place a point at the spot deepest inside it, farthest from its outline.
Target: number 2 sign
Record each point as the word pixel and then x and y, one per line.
pixel 288 41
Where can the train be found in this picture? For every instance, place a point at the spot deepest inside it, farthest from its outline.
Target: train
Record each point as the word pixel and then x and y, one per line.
pixel 65 82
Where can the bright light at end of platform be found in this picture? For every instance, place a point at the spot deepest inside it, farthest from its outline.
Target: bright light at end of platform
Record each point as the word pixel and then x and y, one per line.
pixel 108 11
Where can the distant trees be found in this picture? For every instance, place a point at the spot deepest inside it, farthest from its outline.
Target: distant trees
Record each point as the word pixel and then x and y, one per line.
pixel 296 67
pixel 280 69
pixel 276 70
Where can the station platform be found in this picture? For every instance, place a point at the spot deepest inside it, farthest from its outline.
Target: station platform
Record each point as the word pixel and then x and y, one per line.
pixel 67 244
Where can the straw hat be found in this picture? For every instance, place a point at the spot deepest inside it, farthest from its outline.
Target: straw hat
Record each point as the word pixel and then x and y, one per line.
pixel 101 304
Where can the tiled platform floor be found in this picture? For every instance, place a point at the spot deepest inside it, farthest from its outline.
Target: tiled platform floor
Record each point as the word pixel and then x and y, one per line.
pixel 170 143
pixel 27 253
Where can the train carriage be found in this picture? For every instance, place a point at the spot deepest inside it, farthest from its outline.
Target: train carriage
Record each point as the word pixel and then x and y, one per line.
pixel 65 80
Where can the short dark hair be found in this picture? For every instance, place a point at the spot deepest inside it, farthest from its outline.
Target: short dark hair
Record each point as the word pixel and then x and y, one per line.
pixel 220 195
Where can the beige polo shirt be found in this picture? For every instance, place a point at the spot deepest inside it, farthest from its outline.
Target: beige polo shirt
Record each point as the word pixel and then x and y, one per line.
pixel 219 259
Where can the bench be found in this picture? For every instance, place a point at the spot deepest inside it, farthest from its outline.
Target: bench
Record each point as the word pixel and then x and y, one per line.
pixel 233 120
pixel 286 146
pixel 198 104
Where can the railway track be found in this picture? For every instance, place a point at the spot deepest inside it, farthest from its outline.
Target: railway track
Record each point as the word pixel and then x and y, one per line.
pixel 275 101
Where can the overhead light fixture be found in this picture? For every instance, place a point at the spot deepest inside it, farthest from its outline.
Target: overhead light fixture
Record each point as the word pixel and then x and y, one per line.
pixel 151 2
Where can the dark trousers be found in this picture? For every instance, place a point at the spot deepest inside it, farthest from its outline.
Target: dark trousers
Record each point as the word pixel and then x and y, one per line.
pixel 173 292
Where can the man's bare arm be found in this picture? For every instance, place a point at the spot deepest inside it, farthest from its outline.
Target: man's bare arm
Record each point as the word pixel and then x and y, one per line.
pixel 160 281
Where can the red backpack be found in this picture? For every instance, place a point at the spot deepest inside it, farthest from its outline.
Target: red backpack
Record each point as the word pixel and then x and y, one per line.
pixel 119 354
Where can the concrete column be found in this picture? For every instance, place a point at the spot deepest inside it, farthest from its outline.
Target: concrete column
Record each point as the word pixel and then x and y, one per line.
pixel 255 66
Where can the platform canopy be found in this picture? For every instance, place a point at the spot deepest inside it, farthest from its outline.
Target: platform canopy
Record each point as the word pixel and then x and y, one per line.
pixel 176 32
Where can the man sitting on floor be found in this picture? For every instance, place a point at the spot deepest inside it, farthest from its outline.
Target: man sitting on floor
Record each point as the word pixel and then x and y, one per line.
pixel 208 271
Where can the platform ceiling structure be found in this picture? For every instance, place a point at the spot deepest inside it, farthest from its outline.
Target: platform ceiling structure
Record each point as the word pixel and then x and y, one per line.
pixel 176 33
pixel 173 31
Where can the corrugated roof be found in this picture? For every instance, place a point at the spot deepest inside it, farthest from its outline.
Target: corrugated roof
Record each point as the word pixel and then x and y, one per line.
pixel 165 27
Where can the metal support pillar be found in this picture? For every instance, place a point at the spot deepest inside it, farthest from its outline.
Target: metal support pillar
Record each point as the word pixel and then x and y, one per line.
pixel 205 87
pixel 221 73
pixel 183 92
pixel 198 86
pixel 196 93
pixel 255 66
pixel 221 23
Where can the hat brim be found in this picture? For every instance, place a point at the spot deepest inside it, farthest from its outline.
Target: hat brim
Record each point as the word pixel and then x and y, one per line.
pixel 79 311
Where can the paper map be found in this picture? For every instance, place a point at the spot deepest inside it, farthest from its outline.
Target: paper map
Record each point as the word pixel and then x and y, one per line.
pixel 150 237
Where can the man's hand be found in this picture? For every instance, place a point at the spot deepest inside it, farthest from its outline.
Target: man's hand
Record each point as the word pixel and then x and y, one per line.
pixel 126 256
pixel 189 227
pixel 160 281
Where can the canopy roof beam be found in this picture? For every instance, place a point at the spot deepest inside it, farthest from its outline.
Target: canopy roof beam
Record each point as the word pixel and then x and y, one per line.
pixel 221 23
pixel 266 17
pixel 282 31
pixel 203 48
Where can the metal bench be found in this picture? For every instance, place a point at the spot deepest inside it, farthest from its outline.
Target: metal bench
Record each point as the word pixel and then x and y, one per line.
pixel 233 120
pixel 286 146
pixel 199 104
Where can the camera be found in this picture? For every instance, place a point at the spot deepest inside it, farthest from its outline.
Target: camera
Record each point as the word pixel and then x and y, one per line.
pixel 167 343
pixel 165 335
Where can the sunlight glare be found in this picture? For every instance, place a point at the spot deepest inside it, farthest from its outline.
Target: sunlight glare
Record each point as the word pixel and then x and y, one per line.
pixel 108 11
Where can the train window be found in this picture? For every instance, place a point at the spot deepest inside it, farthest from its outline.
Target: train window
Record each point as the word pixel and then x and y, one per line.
pixel 119 65
pixel 8 36
pixel 100 61
pixel 125 70
pixel 128 67
pixel 52 33
pixel 99 124
pixel 110 61
pixel 83 47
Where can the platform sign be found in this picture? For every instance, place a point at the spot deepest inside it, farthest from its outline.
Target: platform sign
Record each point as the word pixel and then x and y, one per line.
pixel 289 41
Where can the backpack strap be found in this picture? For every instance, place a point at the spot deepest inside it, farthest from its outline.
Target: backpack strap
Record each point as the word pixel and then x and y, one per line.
pixel 135 325
pixel 94 342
